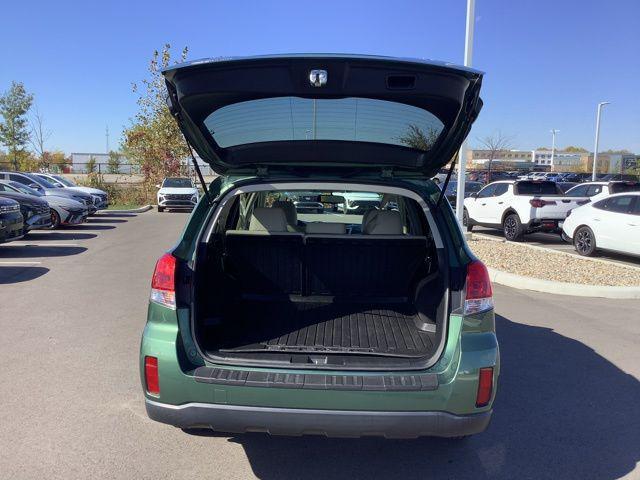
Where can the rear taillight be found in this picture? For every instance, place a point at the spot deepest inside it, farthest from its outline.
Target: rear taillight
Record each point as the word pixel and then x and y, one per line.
pixel 485 387
pixel 478 293
pixel 151 375
pixel 539 203
pixel 163 290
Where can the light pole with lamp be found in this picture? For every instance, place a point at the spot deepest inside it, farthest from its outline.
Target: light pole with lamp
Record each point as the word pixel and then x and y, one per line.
pixel 462 154
pixel 553 145
pixel 595 148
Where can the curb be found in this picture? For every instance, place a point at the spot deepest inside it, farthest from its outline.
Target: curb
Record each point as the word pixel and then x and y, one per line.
pixel 133 210
pixel 561 288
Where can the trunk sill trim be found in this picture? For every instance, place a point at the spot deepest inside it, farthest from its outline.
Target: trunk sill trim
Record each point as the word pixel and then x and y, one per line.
pixel 252 378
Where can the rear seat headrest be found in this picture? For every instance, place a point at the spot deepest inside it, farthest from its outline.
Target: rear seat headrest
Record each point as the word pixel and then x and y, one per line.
pixel 331 228
pixel 289 211
pixel 268 220
pixel 382 222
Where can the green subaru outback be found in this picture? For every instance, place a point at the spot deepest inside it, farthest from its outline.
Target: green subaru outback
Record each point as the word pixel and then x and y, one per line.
pixel 282 309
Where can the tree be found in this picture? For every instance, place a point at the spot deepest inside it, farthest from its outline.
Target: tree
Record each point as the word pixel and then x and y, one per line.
pixel 494 143
pixel 39 135
pixel 14 131
pixel 573 149
pixel 154 140
pixel 418 138
pixel 622 151
pixel 90 166
pixel 114 162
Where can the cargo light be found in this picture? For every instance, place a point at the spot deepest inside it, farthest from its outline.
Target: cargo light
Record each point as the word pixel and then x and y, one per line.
pixel 485 387
pixel 163 289
pixel 151 375
pixel 478 292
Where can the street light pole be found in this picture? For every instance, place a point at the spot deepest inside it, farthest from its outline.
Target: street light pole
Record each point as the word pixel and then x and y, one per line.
pixel 553 146
pixel 595 148
pixel 462 154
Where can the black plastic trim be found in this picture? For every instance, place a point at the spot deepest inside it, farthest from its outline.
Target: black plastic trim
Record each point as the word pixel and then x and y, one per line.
pixel 251 378
pixel 331 423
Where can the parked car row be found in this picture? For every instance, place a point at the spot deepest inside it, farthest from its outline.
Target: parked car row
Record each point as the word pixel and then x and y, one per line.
pixel 595 215
pixel 43 201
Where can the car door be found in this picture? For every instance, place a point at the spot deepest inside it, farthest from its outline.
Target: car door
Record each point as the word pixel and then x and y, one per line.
pixel 613 223
pixel 633 222
pixel 497 202
pixel 481 207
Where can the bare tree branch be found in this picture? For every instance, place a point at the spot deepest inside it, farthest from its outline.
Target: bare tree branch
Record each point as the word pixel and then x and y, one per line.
pixel 495 143
pixel 39 134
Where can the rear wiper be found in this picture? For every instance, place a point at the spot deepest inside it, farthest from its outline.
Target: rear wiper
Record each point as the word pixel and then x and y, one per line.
pixel 446 181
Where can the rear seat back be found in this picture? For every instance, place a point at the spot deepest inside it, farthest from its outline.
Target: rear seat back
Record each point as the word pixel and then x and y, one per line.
pixel 363 265
pixel 266 259
pixel 269 260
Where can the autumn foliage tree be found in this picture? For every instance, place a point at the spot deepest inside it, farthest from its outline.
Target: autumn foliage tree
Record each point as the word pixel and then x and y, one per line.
pixel 154 141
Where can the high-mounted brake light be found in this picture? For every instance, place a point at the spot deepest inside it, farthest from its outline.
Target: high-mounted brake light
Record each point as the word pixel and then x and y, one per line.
pixel 151 375
pixel 485 387
pixel 163 289
pixel 478 294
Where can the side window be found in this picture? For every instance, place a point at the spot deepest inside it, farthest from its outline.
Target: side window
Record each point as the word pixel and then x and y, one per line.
pixel 501 189
pixel 487 191
pixel 619 204
pixel 636 209
pixel 580 191
pixel 19 179
pixel 593 190
pixel 4 188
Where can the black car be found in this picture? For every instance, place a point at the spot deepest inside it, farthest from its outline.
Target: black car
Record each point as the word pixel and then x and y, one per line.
pixel 35 212
pixel 11 224
pixel 469 188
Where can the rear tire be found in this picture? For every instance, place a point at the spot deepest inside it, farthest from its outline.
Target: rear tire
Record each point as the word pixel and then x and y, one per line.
pixel 160 209
pixel 512 228
pixel 465 221
pixel 584 241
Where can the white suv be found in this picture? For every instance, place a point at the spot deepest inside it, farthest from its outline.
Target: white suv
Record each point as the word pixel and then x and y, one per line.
pixel 177 192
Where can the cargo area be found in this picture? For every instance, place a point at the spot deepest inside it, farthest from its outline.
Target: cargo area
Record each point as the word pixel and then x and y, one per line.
pixel 331 289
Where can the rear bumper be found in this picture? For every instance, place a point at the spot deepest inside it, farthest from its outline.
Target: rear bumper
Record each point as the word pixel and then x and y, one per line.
pixel 331 423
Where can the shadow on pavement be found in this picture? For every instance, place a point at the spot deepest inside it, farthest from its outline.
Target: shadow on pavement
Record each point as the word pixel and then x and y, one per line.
pixel 20 274
pixel 105 220
pixel 58 235
pixel 86 226
pixel 37 251
pixel 562 411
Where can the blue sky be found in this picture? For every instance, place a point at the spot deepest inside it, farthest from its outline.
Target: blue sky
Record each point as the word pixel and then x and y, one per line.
pixel 547 63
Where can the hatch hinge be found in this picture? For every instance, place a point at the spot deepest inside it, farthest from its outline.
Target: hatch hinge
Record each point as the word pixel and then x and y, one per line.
pixel 387 172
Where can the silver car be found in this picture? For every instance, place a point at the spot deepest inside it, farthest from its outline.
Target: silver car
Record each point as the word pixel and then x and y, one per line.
pixel 64 210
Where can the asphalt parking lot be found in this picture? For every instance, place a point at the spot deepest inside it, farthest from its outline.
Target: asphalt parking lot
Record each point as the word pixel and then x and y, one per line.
pixel 73 304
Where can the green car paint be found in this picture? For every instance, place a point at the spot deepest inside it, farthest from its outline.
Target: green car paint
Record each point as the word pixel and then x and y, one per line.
pixel 471 342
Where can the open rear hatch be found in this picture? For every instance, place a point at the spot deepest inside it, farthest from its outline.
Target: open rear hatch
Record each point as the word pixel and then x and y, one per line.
pixel 337 112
